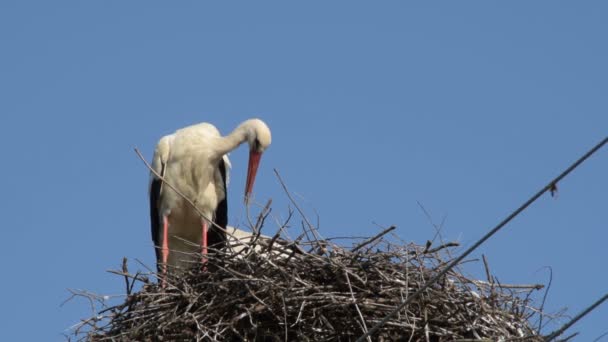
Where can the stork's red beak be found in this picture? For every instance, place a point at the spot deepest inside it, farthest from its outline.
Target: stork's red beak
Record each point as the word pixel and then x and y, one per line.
pixel 252 169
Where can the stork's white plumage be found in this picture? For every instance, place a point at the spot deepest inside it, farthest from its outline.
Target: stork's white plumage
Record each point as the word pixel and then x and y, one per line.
pixel 193 160
pixel 238 240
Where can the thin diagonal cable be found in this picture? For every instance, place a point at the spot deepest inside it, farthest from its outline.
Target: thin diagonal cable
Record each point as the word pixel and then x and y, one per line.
pixel 451 265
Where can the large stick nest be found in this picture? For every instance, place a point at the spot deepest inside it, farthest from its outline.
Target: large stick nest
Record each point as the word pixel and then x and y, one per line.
pixel 277 290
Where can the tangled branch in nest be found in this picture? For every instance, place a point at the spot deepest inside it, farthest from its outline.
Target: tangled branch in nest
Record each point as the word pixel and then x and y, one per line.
pixel 272 292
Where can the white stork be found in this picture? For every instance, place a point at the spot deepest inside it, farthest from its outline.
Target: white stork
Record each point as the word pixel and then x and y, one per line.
pixel 194 160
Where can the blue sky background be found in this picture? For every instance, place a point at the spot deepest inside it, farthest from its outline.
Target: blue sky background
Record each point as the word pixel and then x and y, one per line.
pixel 466 107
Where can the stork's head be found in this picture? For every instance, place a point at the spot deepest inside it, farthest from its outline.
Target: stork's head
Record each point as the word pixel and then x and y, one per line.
pixel 259 138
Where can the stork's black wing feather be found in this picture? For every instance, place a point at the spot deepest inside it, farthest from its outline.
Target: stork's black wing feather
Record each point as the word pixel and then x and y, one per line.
pixel 217 238
pixel 155 216
pixel 221 213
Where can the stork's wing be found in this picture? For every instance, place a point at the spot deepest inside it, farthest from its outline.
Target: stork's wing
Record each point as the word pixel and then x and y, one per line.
pixel 216 237
pixel 159 163
pixel 155 224
pixel 221 212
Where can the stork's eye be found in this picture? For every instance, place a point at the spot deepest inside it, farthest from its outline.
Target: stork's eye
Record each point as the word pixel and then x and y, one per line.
pixel 256 145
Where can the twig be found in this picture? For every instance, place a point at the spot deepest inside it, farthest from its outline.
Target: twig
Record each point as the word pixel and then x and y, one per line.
pixel 487 268
pixel 445 245
pixel 372 239
pixel 510 286
pixel 352 295
pixel 125 270
pixel 488 275
pixel 310 226
pixel 430 219
pixel 542 305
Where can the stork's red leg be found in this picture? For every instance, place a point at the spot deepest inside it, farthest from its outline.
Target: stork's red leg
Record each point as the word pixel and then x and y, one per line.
pixel 204 241
pixel 165 248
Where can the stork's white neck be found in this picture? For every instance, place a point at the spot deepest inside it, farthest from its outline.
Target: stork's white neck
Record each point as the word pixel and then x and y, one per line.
pixel 231 141
pixel 249 131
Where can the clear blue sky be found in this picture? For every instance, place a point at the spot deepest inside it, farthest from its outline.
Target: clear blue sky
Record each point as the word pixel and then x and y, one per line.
pixel 466 107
